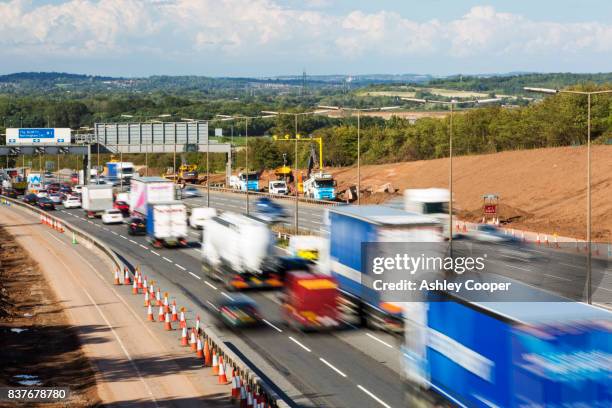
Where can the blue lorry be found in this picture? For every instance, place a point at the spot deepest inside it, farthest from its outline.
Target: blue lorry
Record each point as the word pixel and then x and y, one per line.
pixel 507 354
pixel 351 226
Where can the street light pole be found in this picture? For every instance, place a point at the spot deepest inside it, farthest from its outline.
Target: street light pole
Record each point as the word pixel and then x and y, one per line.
pixel 246 160
pixel 207 172
pixel 358 158
pixel 297 227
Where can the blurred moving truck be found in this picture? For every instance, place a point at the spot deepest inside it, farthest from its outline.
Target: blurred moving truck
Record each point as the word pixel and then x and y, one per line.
pixel 351 226
pixel 96 198
pixel 507 354
pixel 149 190
pixel 238 250
pixel 119 170
pixel 433 202
pixel 310 301
pixel 167 224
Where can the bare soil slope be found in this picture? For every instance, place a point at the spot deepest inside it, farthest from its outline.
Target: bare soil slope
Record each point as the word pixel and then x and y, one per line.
pixel 541 190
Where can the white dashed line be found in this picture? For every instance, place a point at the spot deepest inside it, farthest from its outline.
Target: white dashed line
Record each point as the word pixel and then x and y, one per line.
pixel 271 325
pixel 155 253
pixel 123 237
pixel 91 222
pixel 227 296
pixel 327 363
pixel 105 229
pixel 211 285
pixel 98 225
pixel 133 242
pixel 194 275
pixel 167 259
pixel 142 246
pixel 210 303
pixel 381 402
pixel 299 344
pixel 179 266
pixel 379 340
pixel 557 277
pixel 114 233
pixel 518 267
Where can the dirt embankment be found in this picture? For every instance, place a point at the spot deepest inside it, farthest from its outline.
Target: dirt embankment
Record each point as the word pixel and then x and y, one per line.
pixel 38 346
pixel 540 190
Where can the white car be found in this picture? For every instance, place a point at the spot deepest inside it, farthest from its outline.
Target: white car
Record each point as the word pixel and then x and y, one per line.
pixel 200 215
pixel 77 188
pixel 112 217
pixel 72 202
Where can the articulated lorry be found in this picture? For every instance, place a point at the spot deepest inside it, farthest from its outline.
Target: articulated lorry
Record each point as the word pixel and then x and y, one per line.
pixel 119 170
pixel 96 198
pixel 320 186
pixel 433 202
pixel 238 250
pixel 149 190
pixel 351 226
pixel 506 354
pixel 167 224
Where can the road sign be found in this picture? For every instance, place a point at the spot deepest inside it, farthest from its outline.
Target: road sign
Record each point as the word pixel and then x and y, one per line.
pixel 34 136
pixel 218 132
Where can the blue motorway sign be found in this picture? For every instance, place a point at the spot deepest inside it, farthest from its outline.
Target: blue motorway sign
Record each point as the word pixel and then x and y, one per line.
pixel 36 133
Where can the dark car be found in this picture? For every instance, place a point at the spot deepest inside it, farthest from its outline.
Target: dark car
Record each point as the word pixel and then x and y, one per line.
pixel 46 204
pixel 9 192
pixel 53 187
pixel 122 206
pixel 269 210
pixel 30 199
pixel 137 226
pixel 239 312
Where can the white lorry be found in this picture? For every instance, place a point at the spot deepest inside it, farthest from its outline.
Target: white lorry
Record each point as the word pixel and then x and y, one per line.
pixel 149 190
pixel 278 187
pixel 95 199
pixel 237 250
pixel 200 215
pixel 320 186
pixel 167 224
pixel 433 202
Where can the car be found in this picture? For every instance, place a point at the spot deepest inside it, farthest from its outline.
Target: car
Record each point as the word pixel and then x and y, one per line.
pixel 122 206
pixel 74 178
pixel 48 174
pixel 53 187
pixel 30 198
pixel 239 312
pixel 190 192
pixel 45 203
pixel 9 192
pixel 42 193
pixel 137 226
pixel 72 201
pixel 491 234
pixel 77 189
pixel 270 210
pixel 112 217
pixel 57 198
pixel 199 215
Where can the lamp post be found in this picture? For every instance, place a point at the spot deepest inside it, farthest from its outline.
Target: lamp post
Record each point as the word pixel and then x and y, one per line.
pixel 297 137
pixel 589 94
pixel 452 104
pixel 359 110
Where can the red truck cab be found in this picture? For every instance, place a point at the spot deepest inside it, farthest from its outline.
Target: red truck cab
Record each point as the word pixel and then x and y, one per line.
pixel 311 301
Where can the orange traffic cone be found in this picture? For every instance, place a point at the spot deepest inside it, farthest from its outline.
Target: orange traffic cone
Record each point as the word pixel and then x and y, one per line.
pixel 139 281
pixel 147 302
pixel 464 227
pixel 197 327
pixel 222 379
pixel 160 315
pixel 167 323
pixel 235 387
pixel 215 363
pixel 182 321
pixel 538 239
pixel 199 353
pixel 117 281
pixel 192 341
pixel 42 219
pixel 134 288
pixel 207 355
pixel 174 312
pixel 60 228
pixel 243 395
pixel 150 316
pixel 184 340
pixel 126 276
pixel 166 303
pixel 249 401
pixel 152 290
pixel 158 297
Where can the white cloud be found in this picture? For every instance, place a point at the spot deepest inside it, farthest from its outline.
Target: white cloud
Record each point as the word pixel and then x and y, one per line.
pixel 267 30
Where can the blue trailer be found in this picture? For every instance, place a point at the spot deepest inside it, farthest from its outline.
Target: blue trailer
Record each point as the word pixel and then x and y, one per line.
pixel 351 226
pixel 507 354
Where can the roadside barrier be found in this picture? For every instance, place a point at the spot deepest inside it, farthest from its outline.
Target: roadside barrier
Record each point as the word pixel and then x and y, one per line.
pixel 277 196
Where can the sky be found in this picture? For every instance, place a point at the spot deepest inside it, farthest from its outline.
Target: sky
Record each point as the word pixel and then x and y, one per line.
pixel 283 37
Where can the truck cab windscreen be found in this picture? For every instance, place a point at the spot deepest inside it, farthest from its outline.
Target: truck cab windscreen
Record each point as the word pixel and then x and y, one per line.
pixel 324 183
pixel 435 208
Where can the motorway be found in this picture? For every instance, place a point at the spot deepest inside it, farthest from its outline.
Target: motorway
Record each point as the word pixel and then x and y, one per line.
pixel 344 369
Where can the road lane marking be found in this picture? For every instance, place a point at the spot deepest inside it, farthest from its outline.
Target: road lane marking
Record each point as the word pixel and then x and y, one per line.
pixel 124 237
pixel 571 265
pixel 114 233
pixel 56 238
pixel 180 267
pixel 518 267
pixel 155 253
pixel 167 259
pixel 105 229
pixel 374 397
pixel 379 340
pixel 271 325
pixel 211 285
pixel 133 242
pixel 98 225
pixel 210 303
pixel 194 275
pixel 327 363
pixel 227 296
pixel 300 344
pixel 91 222
pixel 557 277
pixel 142 246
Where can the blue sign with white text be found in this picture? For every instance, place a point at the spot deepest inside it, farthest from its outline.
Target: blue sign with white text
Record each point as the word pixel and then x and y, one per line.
pixel 36 133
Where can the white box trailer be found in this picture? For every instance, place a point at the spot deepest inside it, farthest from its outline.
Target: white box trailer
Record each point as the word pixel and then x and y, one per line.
pixel 96 198
pixel 167 223
pixel 149 190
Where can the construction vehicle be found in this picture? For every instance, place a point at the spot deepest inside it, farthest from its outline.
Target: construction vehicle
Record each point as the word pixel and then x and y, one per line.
pixel 186 173
pixel 244 181
pixel 320 186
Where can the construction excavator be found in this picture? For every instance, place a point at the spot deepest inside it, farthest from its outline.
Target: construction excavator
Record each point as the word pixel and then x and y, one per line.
pixel 186 173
